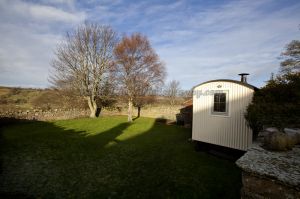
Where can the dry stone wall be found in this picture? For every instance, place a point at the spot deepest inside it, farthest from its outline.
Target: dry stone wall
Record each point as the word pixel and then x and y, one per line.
pixel 166 112
pixel 261 187
pixel 43 115
pixel 270 174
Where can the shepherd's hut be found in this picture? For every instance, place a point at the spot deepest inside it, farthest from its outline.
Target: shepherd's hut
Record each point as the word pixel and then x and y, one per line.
pixel 219 107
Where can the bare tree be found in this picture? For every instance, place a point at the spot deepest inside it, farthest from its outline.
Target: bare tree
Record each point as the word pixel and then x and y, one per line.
pixel 291 57
pixel 83 62
pixel 137 66
pixel 186 94
pixel 172 91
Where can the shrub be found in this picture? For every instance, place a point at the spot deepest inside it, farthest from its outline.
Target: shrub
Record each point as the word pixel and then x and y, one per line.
pixel 277 104
pixel 20 101
pixel 3 100
pixel 15 91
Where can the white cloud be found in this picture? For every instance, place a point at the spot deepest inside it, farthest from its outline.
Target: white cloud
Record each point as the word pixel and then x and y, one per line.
pixel 54 14
pixel 38 12
pixel 226 40
pixel 198 42
pixel 29 33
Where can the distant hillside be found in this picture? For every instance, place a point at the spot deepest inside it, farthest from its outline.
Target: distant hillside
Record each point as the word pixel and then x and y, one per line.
pixel 16 98
pixel 20 98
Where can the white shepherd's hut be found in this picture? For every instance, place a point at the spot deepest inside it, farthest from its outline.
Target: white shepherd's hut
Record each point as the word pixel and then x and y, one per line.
pixel 219 107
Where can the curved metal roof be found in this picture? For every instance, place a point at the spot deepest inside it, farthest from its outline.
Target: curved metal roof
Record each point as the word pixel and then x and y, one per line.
pixel 229 80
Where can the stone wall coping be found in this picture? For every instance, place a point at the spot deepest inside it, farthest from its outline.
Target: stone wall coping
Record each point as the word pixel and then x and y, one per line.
pixel 283 166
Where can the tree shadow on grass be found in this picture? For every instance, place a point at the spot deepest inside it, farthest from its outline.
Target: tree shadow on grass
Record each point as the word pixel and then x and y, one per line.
pixel 130 160
pixel 36 156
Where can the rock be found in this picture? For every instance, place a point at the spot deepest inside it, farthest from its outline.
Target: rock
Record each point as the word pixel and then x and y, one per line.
pixel 271 130
pixel 266 132
pixel 261 135
pixel 293 134
pixel 289 130
pixel 278 141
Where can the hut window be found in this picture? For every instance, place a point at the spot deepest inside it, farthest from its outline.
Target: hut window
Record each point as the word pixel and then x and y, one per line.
pixel 220 103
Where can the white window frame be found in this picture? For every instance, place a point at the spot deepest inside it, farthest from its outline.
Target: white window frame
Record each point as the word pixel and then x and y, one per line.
pixel 226 113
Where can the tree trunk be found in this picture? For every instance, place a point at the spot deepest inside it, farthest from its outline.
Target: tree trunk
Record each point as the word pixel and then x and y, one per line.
pixel 130 110
pixel 139 111
pixel 93 106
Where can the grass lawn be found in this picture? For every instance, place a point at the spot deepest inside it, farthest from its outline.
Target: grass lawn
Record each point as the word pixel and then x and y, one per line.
pixel 109 158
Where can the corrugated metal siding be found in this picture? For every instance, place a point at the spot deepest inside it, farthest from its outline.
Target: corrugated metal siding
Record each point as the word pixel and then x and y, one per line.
pixel 230 131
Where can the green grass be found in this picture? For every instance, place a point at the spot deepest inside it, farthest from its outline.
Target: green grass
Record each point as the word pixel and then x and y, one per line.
pixel 109 158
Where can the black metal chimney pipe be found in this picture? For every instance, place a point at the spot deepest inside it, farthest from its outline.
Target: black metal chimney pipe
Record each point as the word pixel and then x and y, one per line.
pixel 244 77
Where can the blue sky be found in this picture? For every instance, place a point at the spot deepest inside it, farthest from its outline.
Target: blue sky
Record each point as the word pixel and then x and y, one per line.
pixel 197 40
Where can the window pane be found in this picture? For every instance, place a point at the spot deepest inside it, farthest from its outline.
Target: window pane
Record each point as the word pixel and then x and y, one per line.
pixel 222 97
pixel 216 107
pixel 222 107
pixel 216 97
pixel 219 102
